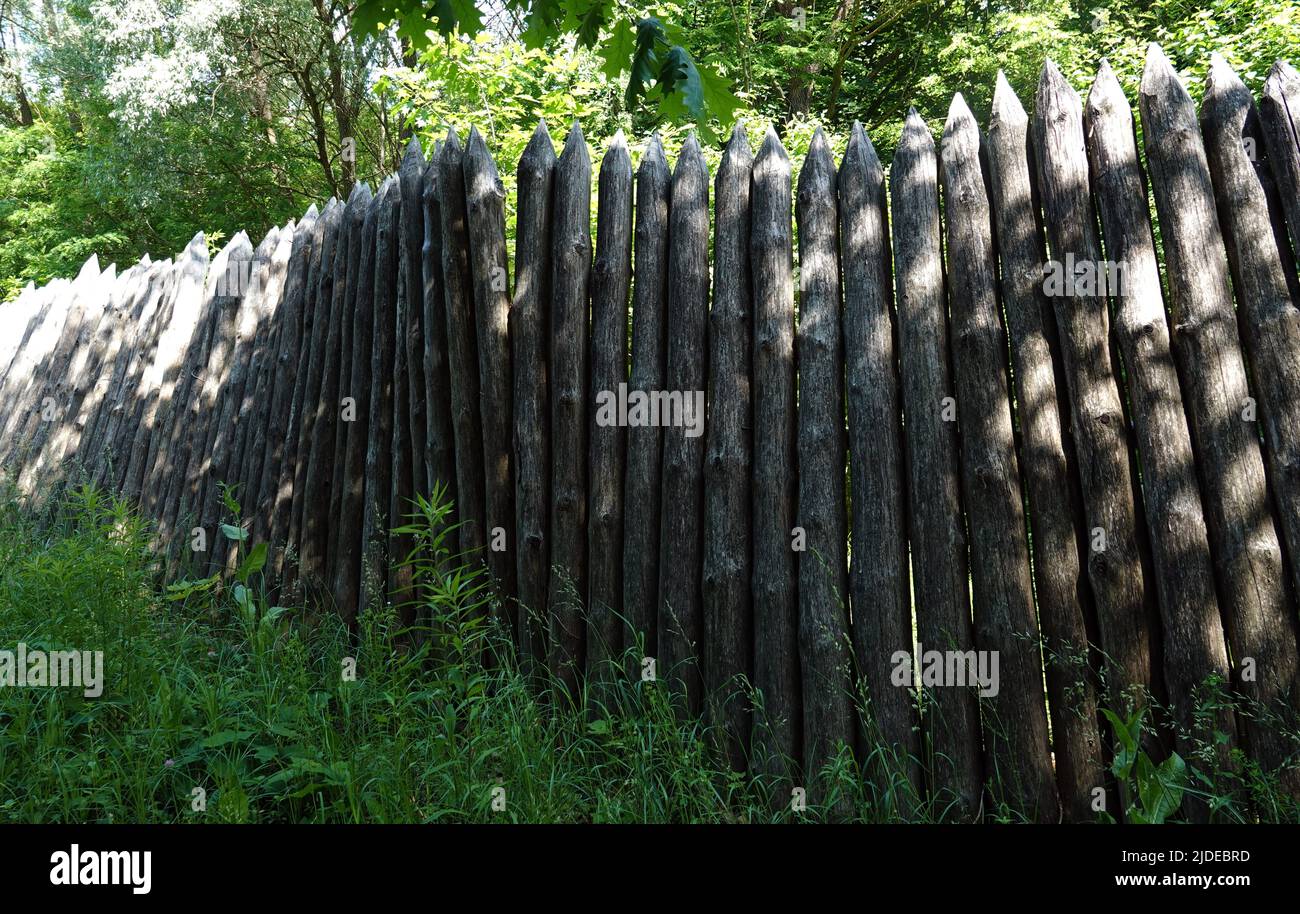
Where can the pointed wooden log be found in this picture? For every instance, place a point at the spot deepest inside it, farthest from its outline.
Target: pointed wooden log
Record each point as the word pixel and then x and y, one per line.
pixel 322 476
pixel 681 504
pixel 728 459
pixel 611 279
pixel 1280 125
pixel 939 568
pixel 381 376
pixel 571 266
pixel 825 646
pixel 645 443
pixel 440 444
pixel 352 481
pixel 878 572
pixel 778 719
pixel 1015 730
pixel 485 209
pixel 319 312
pixel 462 350
pixel 1055 515
pixel 1096 410
pixel 1259 256
pixel 275 475
pixel 530 342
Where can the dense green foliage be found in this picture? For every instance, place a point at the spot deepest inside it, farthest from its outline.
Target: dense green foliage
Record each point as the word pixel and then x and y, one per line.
pixel 128 125
pixel 206 686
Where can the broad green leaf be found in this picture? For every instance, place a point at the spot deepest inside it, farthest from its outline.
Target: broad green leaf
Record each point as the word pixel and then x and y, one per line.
pixel 254 562
pixel 616 52
pixel 238 534
pixel 645 59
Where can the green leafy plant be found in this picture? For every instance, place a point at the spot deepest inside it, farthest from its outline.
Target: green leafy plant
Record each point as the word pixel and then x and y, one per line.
pixel 1157 788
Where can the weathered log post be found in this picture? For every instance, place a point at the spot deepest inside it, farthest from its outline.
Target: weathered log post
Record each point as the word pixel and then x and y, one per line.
pixel 1096 411
pixel 321 474
pixel 878 572
pixel 378 469
pixel 400 574
pixel 310 399
pixel 1054 511
pixel 645 442
pixel 439 438
pixel 58 396
pixel 1184 576
pixel 1015 716
pixel 485 199
pixel 821 539
pixel 530 343
pixel 269 380
pixel 411 177
pixel 352 427
pixel 351 544
pixel 571 265
pixel 185 302
pixel 1244 544
pixel 778 720
pixel 1259 256
pixel 1280 123
pixel 462 349
pixel 410 428
pixel 272 475
pixel 611 278
pixel 227 286
pixel 233 388
pixel 120 434
pixel 728 459
pixel 938 536
pixel 681 505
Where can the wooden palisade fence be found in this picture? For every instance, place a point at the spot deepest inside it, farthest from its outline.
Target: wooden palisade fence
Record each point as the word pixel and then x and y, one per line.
pixel 924 430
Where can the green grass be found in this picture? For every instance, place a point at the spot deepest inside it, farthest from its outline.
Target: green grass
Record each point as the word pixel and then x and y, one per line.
pixel 218 707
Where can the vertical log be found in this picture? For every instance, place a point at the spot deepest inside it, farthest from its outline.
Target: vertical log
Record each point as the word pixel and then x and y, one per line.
pixel 571 263
pixel 322 475
pixel 397 546
pixel 274 482
pixel 1054 510
pixel 824 641
pixel 485 198
pixel 728 461
pixel 352 426
pixel 937 534
pixel 530 339
pixel 411 176
pixel 120 434
pixel 611 277
pixel 1280 123
pixel 462 349
pixel 778 721
pixel 1184 576
pixel 309 399
pixel 234 385
pixel 185 301
pixel 1015 718
pixel 1243 541
pixel 440 444
pixel 878 572
pixel 645 443
pixel 1258 255
pixel 352 481
pixel 268 380
pixel 1096 411
pixel 681 505
pixel 383 354
pixel 227 287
